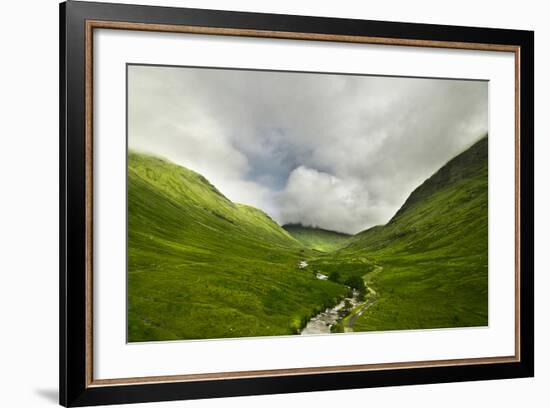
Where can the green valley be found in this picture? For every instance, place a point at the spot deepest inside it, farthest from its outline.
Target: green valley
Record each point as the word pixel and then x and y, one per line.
pixel 201 266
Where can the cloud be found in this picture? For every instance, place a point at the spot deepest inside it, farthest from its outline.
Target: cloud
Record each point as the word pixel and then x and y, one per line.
pixel 336 151
pixel 322 200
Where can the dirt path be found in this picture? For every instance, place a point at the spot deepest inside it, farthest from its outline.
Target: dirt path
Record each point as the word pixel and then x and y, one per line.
pixel 350 320
pixel 348 326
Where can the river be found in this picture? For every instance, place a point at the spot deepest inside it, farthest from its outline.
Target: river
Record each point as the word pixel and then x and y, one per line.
pixel 322 322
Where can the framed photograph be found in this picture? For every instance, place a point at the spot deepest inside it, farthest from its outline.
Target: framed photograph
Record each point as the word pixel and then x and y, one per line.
pixel 256 203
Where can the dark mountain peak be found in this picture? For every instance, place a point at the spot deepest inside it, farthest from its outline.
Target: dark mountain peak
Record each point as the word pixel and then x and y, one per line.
pixel 471 162
pixel 300 226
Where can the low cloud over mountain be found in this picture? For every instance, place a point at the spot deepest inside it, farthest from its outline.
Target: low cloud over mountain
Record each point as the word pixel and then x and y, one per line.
pixel 334 151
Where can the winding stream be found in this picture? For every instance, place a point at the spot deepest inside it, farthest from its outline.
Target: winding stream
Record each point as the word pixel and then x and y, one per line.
pixel 322 322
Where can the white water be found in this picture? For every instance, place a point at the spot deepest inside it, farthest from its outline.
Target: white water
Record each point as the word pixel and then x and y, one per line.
pixel 322 322
pixel 320 276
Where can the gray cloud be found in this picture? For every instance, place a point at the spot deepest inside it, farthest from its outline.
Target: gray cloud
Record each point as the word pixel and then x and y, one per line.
pixel 340 152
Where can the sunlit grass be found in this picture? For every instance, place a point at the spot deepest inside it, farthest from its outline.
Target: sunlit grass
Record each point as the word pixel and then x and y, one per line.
pixel 201 266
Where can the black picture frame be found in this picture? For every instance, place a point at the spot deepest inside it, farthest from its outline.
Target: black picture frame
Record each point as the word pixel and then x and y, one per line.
pixel 75 389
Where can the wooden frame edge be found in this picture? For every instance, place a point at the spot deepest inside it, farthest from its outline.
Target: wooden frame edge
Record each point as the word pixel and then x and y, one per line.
pixel 89 205
pixel 90 25
pixel 291 35
pixel 231 375
pixel 517 199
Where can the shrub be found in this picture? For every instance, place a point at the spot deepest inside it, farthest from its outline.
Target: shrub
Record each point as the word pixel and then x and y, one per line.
pixel 334 276
pixel 357 283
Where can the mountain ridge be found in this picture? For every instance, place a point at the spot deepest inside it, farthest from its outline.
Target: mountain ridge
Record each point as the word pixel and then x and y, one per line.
pixel 202 266
pixel 462 165
pixel 433 254
pixel 319 239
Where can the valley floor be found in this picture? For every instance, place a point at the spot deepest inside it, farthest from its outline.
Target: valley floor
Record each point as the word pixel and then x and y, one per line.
pixel 399 297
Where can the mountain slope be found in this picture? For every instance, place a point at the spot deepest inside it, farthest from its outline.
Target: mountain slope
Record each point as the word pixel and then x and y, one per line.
pixel 468 164
pixel 432 255
pixel 201 266
pixel 317 238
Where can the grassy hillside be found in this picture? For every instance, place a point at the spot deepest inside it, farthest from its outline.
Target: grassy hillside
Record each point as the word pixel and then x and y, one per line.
pixel 201 266
pixel 317 238
pixel 431 258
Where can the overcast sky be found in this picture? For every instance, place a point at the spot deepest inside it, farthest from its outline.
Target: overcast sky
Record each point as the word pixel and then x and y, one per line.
pixel 339 152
